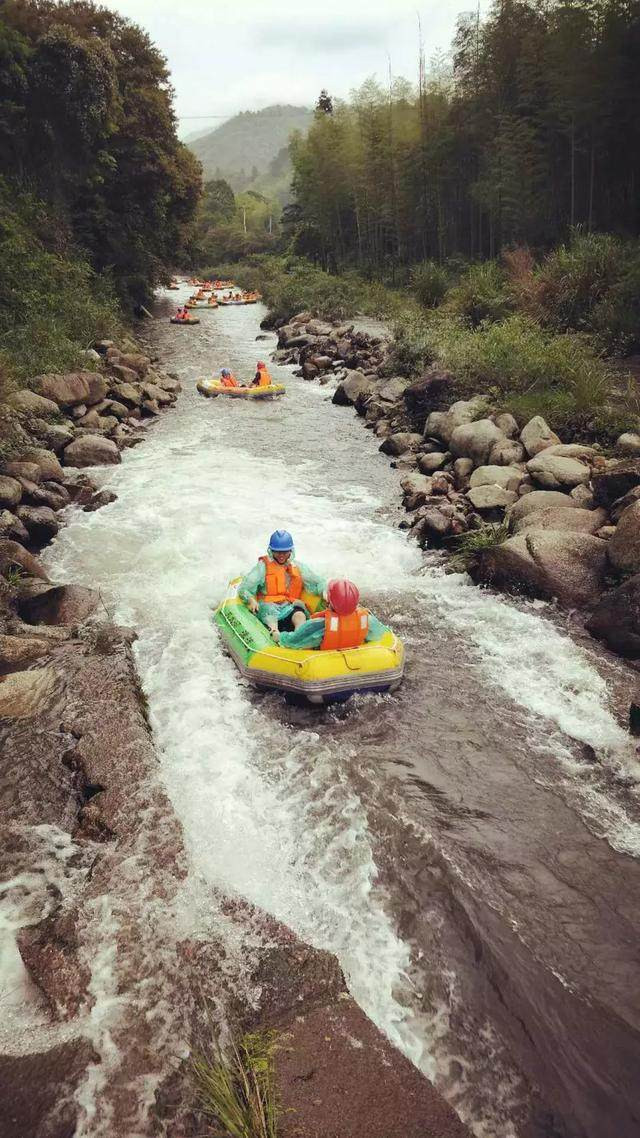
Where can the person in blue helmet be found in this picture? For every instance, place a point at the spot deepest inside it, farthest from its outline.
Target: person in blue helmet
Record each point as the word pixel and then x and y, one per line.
pixel 273 588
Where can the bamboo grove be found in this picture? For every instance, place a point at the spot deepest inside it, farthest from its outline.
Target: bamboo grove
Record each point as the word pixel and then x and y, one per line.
pixel 531 128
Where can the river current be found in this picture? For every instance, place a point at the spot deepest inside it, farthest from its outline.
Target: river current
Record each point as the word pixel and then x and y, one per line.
pixel 466 847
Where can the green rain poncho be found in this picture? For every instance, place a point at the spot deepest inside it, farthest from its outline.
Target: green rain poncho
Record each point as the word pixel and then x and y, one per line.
pixel 310 634
pixel 254 583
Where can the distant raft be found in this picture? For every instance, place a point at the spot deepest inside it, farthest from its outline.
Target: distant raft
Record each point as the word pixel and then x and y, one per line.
pixel 202 304
pixel 213 387
pixel 321 676
pixel 191 320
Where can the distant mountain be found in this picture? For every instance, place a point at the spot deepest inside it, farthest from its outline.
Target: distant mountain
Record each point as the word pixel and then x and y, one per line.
pixel 244 147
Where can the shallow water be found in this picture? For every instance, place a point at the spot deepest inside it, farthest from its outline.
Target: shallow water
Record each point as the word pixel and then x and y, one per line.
pixel 473 871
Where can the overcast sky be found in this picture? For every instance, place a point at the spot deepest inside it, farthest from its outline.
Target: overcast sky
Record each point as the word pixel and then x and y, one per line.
pixel 229 57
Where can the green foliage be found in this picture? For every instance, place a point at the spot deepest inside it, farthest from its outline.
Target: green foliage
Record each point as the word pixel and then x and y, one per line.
pixel 429 282
pixel 481 294
pixel 51 306
pixel 413 347
pixel 238 1095
pixel 469 546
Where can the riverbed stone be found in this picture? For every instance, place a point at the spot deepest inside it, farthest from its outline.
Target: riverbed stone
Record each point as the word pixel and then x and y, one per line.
pixel 462 470
pixel 432 392
pixel 555 472
pixel 537 435
pixel 24 694
pixel 509 477
pixel 546 564
pixel 47 461
pixel 559 518
pixel 400 442
pixel 355 383
pixel 490 497
pixel 31 403
pixel 10 491
pixel 13 555
pixel 12 527
pixel 541 500
pixel 18 651
pixel 40 521
pixel 28 470
pixel 65 390
pixel 442 424
pixel 629 443
pixel 429 463
pixel 136 362
pixel 616 481
pixel 475 440
pixel 624 547
pixel 60 604
pixel 619 506
pixel 55 436
pixel 507 452
pixel 91 450
pixel 507 423
pixel 573 450
pixel 615 619
pixel 392 390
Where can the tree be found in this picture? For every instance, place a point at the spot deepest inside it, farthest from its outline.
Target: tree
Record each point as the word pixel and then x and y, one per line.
pixel 325 103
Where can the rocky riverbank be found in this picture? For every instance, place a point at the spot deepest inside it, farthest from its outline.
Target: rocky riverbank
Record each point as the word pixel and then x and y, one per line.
pixel 518 507
pixel 108 991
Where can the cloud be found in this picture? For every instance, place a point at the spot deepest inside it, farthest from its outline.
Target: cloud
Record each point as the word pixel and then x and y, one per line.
pixel 316 37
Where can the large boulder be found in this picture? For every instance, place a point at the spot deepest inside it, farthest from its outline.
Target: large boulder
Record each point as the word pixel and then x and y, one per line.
pixel 54 436
pixel 435 460
pixel 629 443
pixel 355 383
pixel 392 389
pixel 128 394
pixel 91 450
pixel 573 450
pixel 507 423
pixel 23 470
pixel 12 527
pixel 615 511
pixel 416 489
pixel 555 472
pixel 547 563
pixel 506 451
pixel 616 618
pixel 401 442
pixel 98 387
pixel 509 477
pixel 557 518
pixel 46 460
pixel 617 480
pixel 442 424
pixel 32 404
pixel 66 390
pixel 137 362
pixel 62 604
pixel 10 491
pixel 15 556
pixel 624 547
pixel 541 500
pixel 40 521
pixel 491 498
pixel 475 440
pixel 537 435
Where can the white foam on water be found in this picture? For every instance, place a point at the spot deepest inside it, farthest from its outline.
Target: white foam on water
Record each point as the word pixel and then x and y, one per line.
pixel 267 810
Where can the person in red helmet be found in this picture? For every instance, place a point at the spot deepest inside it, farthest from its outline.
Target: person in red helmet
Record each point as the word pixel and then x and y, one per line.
pixel 262 377
pixel 344 624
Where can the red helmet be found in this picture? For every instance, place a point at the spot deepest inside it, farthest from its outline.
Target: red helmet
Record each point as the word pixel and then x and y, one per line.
pixel 343 596
pixel 260 364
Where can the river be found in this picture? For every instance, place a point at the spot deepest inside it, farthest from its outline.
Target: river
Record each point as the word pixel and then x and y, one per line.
pixel 467 847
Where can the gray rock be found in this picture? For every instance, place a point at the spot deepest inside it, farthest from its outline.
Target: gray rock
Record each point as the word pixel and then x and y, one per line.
pixel 583 497
pixel 475 440
pixel 65 390
pixel 13 555
pixel 40 521
pixel 428 463
pixel 442 424
pixel 507 424
pixel 127 393
pixel 629 443
pixel 509 477
pixel 393 389
pixel 491 498
pixel 62 604
pixel 549 563
pixel 616 481
pixel 559 518
pixel 56 437
pixel 32 404
pixel 507 453
pixel 23 470
pixel 615 511
pixel 572 450
pixel 541 500
pixel 12 527
pixel 537 435
pixel 624 547
pixel 616 618
pixel 606 532
pixel 10 491
pixel 47 461
pixel 401 442
pixel 462 469
pixel 554 471
pixel 354 384
pixel 91 450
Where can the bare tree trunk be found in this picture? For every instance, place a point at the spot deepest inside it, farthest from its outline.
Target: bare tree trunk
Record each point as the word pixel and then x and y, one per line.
pixel 592 171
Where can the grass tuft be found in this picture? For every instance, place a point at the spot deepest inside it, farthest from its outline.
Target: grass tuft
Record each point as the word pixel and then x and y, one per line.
pixel 469 546
pixel 238 1093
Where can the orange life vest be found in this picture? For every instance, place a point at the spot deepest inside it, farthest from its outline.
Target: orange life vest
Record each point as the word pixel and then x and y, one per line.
pixel 228 381
pixel 282 582
pixel 265 379
pixel 344 631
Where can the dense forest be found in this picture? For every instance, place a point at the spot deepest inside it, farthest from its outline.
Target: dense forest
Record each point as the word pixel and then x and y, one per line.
pixel 532 130
pixel 97 195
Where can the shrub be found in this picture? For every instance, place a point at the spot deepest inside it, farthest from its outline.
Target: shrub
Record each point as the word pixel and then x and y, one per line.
pixel 481 294
pixel 429 282
pixel 414 346
pixel 615 319
pixel 574 278
pixel 469 546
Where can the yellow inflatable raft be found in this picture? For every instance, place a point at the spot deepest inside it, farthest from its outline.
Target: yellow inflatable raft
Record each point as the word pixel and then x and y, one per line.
pixel 320 676
pixel 212 387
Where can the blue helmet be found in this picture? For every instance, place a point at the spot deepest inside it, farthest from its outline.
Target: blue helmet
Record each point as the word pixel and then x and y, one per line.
pixel 281 541
pixel 225 372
